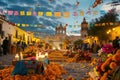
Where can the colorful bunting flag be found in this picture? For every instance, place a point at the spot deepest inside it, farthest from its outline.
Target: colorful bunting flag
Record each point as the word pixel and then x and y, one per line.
pixel 96 24
pixel 22 13
pixel 111 23
pixel 103 24
pixel 81 13
pixel 27 25
pixel 95 12
pixel 16 13
pixel 34 13
pixel 40 13
pixel 35 25
pixel 57 14
pixel 48 14
pixel 88 12
pixel 75 14
pixel 66 14
pixel 23 25
pixel 28 13
pixel 10 12
pixel 102 12
pixel 18 24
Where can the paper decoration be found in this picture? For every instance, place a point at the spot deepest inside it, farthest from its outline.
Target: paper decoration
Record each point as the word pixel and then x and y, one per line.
pixel 102 12
pixel 81 13
pixel 40 13
pixel 18 24
pixel 57 14
pixel 66 14
pixel 75 14
pixel 23 25
pixel 22 13
pixel 111 23
pixel 16 13
pixel 34 13
pixel 103 24
pixel 35 25
pixel 3 12
pixel 88 12
pixel 95 12
pixel 28 13
pixel 10 12
pixel 27 25
pixel 96 24
pixel 48 14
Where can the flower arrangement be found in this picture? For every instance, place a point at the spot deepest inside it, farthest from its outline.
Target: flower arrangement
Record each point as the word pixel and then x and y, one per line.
pixel 105 52
pixel 52 72
pixel 108 62
pixel 30 52
pixel 107 48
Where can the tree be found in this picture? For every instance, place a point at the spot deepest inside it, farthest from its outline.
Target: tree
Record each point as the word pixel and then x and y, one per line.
pixel 107 19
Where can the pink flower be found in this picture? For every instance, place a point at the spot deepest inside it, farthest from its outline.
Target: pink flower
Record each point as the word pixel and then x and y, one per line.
pixel 107 48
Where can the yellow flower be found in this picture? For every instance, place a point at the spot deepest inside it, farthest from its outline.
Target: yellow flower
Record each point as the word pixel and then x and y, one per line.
pixel 109 55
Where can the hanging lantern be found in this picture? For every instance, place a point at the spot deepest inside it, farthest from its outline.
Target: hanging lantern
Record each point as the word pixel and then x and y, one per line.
pixel 111 23
pixel 100 24
pixel 103 24
pixel 96 24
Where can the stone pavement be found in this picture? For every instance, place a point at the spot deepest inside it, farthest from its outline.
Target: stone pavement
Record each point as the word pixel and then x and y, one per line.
pixel 6 59
pixel 77 70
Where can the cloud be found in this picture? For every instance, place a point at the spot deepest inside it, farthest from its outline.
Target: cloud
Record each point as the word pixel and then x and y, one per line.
pixel 60 8
pixel 23 19
pixel 48 22
pixel 108 6
pixel 18 8
pixel 3 4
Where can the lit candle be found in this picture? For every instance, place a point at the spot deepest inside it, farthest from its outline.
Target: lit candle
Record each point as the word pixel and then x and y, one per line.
pixel 39 53
pixel 41 57
pixel 46 54
pixel 37 56
pixel 16 57
pixel 21 56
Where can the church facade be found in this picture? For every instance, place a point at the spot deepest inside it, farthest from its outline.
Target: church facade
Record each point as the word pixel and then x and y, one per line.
pixel 84 29
pixel 60 40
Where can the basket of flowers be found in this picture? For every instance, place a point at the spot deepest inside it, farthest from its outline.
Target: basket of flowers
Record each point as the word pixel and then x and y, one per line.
pixel 108 67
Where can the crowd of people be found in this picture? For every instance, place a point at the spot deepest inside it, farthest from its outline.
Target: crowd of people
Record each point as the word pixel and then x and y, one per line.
pixel 6 47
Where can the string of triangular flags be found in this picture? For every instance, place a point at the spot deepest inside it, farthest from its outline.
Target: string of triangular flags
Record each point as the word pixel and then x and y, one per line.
pixel 37 33
pixel 50 14
pixel 41 26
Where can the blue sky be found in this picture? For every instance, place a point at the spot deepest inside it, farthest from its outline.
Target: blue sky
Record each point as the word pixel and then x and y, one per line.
pixel 55 5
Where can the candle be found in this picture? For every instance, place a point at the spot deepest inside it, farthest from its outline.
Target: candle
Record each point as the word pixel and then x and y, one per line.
pixel 39 53
pixel 41 57
pixel 37 56
pixel 16 57
pixel 46 54
pixel 21 56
